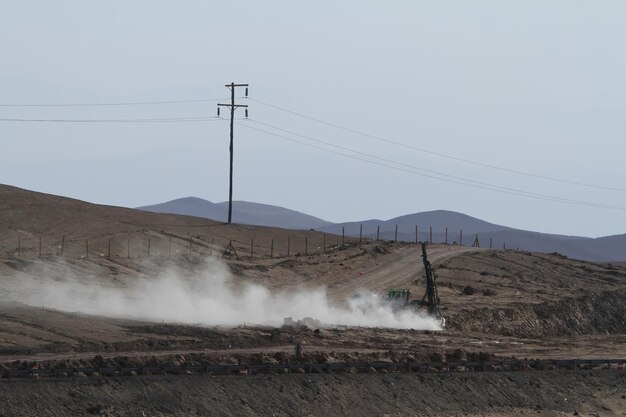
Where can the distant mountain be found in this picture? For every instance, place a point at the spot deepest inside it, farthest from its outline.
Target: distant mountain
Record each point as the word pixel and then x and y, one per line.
pixel 438 220
pixel 191 206
pixel 607 249
pixel 603 249
pixel 243 213
pixel 36 214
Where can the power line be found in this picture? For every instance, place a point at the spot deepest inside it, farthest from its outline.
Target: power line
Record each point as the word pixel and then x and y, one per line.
pixel 414 170
pixel 129 103
pixel 439 154
pixel 148 120
pixel 454 178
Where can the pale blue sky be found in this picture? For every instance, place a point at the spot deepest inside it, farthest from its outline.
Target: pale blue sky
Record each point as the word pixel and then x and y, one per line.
pixel 535 86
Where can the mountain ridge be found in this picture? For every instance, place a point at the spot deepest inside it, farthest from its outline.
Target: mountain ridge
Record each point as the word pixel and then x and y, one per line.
pixel 447 227
pixel 244 212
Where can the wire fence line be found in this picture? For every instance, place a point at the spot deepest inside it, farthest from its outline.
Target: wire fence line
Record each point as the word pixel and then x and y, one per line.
pixel 171 244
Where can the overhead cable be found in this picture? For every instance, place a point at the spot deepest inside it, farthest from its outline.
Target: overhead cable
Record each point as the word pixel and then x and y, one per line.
pixel 439 154
pixel 129 103
pixel 376 160
pixel 150 120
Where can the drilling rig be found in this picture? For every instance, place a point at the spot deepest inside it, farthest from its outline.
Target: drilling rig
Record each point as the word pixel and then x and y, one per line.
pixel 401 298
pixel 431 298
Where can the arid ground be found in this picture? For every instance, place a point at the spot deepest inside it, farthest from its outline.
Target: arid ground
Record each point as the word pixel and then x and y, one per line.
pixel 497 304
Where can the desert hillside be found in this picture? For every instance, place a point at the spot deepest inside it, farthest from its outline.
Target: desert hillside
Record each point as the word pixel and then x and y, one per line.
pixel 77 303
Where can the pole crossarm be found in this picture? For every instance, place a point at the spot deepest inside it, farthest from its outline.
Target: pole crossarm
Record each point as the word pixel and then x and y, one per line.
pixel 236 105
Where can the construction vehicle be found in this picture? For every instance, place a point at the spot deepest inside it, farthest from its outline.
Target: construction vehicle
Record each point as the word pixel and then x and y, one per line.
pixel 400 298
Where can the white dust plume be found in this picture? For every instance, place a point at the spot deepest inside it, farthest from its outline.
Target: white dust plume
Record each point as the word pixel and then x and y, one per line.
pixel 210 298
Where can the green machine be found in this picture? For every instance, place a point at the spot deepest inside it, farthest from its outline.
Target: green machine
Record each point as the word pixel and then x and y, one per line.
pixel 400 298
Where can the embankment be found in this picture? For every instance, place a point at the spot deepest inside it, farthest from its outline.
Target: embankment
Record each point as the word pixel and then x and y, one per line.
pixel 502 393
pixel 592 313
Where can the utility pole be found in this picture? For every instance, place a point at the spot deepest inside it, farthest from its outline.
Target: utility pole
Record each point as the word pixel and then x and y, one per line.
pixel 232 106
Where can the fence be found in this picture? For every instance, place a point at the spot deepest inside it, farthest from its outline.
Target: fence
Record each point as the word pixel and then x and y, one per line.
pixel 175 244
pixel 170 245
pixel 307 368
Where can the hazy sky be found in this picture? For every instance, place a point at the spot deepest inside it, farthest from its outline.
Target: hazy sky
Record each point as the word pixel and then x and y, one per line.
pixel 532 86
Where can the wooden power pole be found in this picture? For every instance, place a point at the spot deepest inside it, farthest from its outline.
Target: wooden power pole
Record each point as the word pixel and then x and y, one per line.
pixel 232 106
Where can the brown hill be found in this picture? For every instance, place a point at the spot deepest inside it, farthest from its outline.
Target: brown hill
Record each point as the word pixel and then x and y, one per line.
pixel 497 303
pixel 497 298
pixel 27 216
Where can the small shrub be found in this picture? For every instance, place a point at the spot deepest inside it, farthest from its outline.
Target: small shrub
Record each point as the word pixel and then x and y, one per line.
pixel 468 290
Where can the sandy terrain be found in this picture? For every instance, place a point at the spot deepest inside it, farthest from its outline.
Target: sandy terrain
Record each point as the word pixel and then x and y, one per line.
pixel 564 309
pixel 497 304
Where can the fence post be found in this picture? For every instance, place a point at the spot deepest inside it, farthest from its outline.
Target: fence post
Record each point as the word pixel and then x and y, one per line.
pixel 446 235
pixel 378 233
pixel 251 248
pixel 306 245
pixel 430 235
pixel 490 243
pixel 324 242
pixel 461 238
pixel 416 237
pixel 396 235
pixel 62 244
pixel 343 236
pixel 272 249
pixel 288 245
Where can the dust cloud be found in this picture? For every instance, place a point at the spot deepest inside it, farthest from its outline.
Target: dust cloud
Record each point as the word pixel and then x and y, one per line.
pixel 209 298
